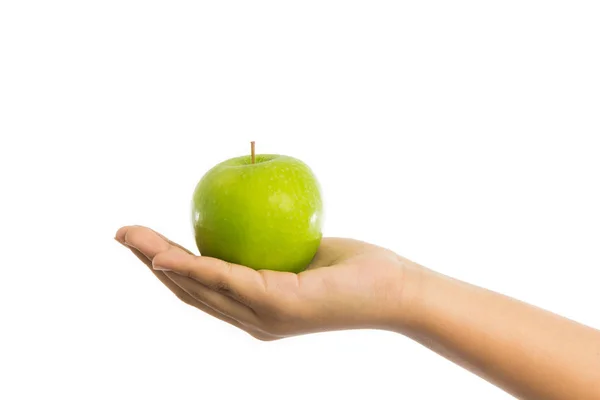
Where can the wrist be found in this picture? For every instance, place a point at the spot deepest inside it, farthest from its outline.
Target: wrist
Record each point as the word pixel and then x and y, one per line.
pixel 408 313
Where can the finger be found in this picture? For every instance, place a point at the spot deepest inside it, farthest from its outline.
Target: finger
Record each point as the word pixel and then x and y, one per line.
pixel 173 243
pixel 149 242
pixel 242 283
pixel 217 301
pixel 188 299
pixel 183 295
pixel 220 276
pixel 206 308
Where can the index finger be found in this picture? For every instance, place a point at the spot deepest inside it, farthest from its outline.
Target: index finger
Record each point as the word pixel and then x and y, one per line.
pixel 146 240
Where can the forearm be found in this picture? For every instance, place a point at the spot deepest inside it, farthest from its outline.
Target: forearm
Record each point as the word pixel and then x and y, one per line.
pixel 529 352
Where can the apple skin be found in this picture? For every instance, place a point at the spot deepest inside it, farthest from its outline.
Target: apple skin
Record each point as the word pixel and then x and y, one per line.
pixel 266 215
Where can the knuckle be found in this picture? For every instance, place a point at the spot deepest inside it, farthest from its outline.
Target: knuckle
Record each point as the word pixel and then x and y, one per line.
pixel 159 259
pixel 196 294
pixel 222 287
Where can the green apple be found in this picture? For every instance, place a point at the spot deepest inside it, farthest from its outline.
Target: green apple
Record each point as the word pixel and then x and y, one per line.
pixel 263 211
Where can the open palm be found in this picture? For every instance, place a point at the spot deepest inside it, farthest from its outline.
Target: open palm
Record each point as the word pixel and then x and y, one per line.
pixel 349 284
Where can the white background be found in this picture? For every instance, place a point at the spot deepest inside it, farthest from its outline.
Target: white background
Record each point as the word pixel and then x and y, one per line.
pixel 461 134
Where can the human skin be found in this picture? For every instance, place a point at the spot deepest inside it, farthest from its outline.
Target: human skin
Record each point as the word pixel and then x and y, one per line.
pixel 527 351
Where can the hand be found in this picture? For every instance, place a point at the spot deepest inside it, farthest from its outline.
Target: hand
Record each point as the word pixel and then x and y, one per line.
pixel 349 285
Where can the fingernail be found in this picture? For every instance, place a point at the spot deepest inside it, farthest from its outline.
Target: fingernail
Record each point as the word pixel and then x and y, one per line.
pixel 159 268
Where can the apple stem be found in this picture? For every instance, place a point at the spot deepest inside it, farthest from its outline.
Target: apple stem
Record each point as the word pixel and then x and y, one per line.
pixel 252 152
